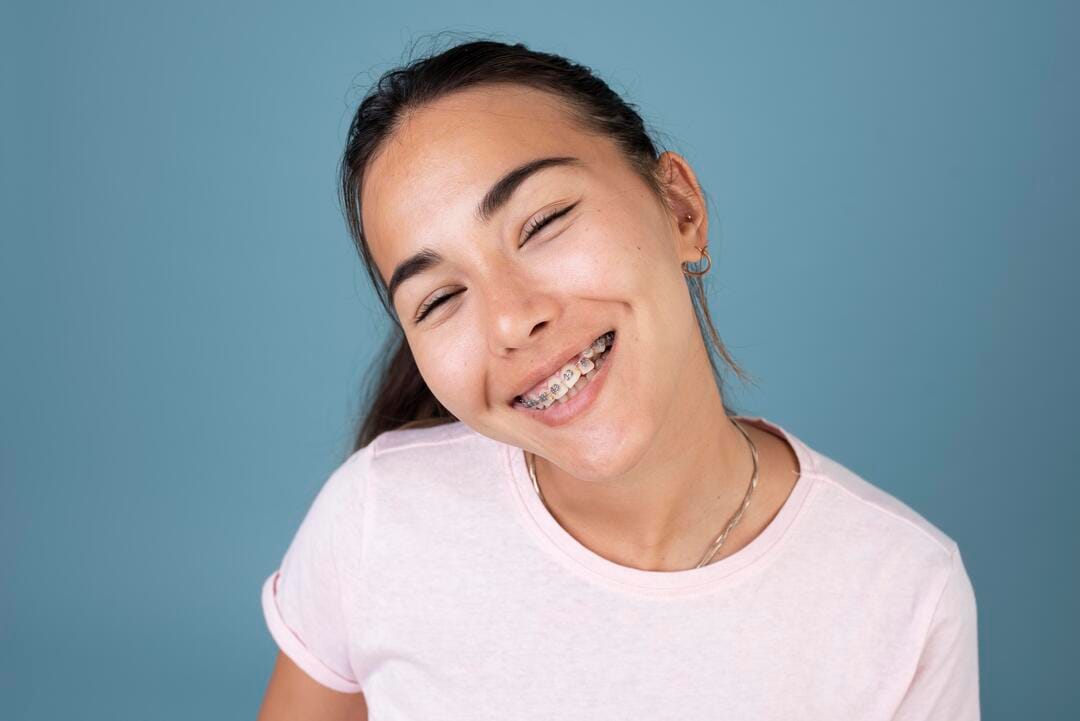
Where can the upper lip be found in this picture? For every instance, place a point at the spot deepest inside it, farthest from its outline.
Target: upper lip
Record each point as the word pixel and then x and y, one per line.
pixel 550 368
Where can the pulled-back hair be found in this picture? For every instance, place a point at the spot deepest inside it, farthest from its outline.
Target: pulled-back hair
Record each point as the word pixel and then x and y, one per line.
pixel 397 395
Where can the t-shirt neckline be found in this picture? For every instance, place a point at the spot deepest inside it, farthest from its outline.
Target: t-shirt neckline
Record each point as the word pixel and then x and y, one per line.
pixel 557 540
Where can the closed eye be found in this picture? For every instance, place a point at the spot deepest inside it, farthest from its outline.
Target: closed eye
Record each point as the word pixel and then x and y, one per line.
pixel 532 229
pixel 432 304
pixel 535 226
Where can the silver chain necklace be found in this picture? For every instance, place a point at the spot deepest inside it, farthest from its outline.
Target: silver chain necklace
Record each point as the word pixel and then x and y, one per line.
pixel 531 463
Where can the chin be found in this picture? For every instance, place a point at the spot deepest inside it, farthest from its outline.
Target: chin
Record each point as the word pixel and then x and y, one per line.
pixel 602 453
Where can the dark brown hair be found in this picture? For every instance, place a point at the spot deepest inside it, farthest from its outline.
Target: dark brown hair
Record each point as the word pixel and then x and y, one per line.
pixel 398 395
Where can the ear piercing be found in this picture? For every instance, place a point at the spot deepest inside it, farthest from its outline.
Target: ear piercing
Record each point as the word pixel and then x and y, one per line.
pixel 704 254
pixel 703 271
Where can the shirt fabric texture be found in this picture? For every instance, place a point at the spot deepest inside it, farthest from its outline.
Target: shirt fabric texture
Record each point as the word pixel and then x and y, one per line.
pixel 428 575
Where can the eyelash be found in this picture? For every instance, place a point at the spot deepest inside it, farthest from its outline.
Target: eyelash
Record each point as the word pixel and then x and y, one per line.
pixel 541 222
pixel 530 231
pixel 432 304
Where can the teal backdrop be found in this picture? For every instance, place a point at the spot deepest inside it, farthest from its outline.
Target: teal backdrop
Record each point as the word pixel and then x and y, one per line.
pixel 895 210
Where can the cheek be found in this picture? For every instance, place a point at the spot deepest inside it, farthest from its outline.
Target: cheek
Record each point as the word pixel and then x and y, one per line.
pixel 611 256
pixel 453 375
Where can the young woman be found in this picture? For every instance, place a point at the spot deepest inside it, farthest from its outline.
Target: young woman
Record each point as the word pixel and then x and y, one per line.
pixel 550 511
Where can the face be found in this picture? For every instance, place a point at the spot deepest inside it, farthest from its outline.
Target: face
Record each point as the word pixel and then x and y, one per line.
pixel 513 307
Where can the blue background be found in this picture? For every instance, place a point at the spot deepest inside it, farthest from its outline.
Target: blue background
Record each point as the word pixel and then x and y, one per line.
pixel 894 201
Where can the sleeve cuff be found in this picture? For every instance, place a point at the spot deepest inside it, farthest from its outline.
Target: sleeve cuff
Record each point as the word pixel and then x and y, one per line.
pixel 291 645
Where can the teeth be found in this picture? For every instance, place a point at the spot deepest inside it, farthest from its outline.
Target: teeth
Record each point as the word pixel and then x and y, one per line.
pixel 572 377
pixel 560 383
pixel 556 389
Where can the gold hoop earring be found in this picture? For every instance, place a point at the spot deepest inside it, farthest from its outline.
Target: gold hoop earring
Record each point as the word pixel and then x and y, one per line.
pixel 699 273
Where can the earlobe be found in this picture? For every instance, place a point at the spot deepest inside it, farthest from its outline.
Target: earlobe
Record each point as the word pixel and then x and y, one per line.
pixel 692 241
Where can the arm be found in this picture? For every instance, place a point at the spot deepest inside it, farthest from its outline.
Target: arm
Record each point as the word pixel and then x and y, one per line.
pixel 292 694
pixel 303 603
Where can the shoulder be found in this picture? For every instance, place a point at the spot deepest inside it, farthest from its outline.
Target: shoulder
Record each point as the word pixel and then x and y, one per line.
pixel 851 514
pixel 448 451
pixel 878 511
pixel 418 438
pixel 856 532
pixel 907 560
pixel 864 525
pixel 412 466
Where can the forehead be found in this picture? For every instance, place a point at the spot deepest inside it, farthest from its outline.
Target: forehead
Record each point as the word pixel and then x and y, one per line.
pixel 432 171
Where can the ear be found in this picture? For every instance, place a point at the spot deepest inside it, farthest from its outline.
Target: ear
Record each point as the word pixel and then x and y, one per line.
pixel 685 197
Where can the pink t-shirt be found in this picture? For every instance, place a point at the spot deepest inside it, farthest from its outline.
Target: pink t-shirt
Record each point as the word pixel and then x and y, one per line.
pixel 429 575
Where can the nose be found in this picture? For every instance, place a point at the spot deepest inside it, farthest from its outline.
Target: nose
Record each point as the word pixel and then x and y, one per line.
pixel 521 313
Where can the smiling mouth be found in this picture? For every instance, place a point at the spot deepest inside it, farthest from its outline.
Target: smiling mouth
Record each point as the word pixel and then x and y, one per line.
pixel 571 378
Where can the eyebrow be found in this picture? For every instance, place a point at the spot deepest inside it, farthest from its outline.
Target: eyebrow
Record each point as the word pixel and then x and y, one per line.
pixel 493 201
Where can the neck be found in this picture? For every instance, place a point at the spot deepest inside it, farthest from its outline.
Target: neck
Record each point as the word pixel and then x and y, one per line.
pixel 665 511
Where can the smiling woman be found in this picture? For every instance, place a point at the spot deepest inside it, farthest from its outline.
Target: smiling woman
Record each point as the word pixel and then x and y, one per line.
pixel 550 511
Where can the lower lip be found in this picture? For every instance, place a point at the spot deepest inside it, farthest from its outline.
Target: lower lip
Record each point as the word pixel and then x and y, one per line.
pixel 560 414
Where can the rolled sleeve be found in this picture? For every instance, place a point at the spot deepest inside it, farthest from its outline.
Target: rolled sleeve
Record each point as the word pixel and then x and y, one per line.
pixel 291 644
pixel 303 600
